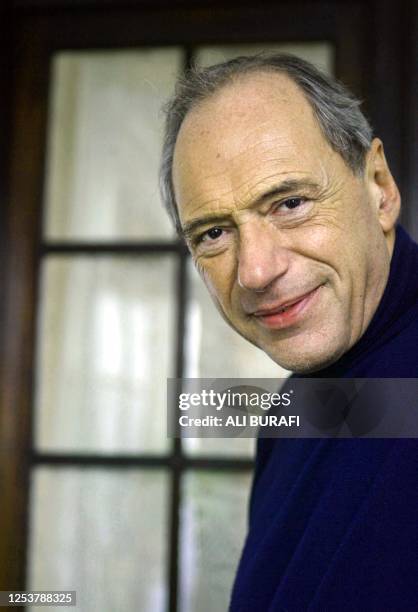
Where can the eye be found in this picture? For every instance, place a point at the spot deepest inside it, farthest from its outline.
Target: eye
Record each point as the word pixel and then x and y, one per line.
pixel 292 203
pixel 211 240
pixel 211 234
pixel 292 209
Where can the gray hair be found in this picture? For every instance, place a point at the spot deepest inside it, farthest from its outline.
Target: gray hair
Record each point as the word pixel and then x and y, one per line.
pixel 336 109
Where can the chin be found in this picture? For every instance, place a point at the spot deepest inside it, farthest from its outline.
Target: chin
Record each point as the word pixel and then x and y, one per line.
pixel 308 359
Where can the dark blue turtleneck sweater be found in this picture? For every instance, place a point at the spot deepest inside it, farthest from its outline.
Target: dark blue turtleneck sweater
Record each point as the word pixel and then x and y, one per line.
pixel 334 522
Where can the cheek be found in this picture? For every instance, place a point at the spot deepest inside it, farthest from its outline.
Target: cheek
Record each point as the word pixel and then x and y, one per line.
pixel 320 241
pixel 338 233
pixel 218 278
pixel 220 284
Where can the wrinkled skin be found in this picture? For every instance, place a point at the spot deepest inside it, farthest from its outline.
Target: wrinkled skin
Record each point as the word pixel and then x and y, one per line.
pixel 272 213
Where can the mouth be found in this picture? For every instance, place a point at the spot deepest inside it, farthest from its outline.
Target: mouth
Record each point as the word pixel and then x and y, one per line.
pixel 287 313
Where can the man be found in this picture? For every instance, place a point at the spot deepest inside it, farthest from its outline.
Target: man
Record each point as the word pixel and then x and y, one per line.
pixel 289 210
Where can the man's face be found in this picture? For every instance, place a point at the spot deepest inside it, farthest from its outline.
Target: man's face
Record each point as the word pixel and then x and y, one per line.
pixel 288 241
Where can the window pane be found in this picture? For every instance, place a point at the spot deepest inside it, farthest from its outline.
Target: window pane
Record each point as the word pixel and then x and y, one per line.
pixel 213 528
pixel 106 339
pixel 101 533
pixel 321 54
pixel 220 447
pixel 105 131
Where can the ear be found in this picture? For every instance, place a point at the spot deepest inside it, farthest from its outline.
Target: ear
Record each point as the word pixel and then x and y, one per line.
pixel 381 186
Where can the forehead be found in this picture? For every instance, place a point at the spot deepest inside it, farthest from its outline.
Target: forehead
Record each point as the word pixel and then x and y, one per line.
pixel 242 137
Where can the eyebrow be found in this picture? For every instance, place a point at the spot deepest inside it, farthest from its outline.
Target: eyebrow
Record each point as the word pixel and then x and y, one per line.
pixel 284 188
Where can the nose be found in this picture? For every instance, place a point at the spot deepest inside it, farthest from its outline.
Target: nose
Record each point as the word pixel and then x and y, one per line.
pixel 261 257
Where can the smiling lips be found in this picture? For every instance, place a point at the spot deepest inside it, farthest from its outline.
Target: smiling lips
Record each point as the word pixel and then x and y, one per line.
pixel 286 313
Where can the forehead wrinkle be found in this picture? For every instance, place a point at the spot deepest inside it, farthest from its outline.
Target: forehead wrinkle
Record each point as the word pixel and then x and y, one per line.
pixel 263 145
pixel 254 191
pixel 215 205
pixel 273 136
pixel 240 191
pixel 273 161
pixel 268 171
pixel 246 196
